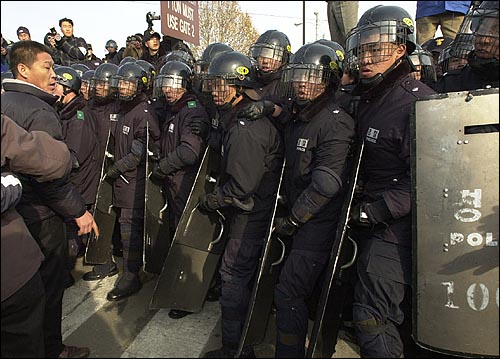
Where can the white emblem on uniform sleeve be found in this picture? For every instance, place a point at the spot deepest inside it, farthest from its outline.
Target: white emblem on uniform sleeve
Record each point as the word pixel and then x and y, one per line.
pixel 126 130
pixel 171 128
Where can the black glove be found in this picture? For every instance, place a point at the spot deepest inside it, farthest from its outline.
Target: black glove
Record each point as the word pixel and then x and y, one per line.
pixel 155 152
pixel 208 202
pixel 211 202
pixel 285 226
pixel 358 216
pixel 113 172
pixel 257 110
pixel 200 128
pixel 369 213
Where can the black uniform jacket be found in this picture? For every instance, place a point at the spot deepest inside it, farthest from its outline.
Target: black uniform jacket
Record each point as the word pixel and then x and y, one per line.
pixel 383 123
pixel 464 80
pixel 31 108
pixel 320 135
pixel 133 118
pixel 177 132
pixel 39 155
pixel 79 131
pixel 252 158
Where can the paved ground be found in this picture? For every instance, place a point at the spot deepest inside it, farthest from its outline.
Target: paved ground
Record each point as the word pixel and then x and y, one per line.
pixel 128 329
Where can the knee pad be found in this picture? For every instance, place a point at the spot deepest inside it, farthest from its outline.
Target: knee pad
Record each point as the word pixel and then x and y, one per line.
pixel 366 320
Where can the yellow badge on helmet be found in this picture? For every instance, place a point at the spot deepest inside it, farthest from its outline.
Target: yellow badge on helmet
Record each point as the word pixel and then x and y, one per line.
pixel 288 48
pixel 144 79
pixel 439 42
pixel 408 21
pixel 242 70
pixel 67 76
pixel 340 55
pixel 333 65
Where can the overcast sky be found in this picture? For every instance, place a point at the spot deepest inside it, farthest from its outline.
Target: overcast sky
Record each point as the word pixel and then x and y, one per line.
pixel 99 21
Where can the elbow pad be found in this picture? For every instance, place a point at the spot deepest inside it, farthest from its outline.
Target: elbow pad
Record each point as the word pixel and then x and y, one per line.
pixel 324 186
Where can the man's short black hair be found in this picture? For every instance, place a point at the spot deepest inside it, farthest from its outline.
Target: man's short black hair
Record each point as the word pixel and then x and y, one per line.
pixel 65 19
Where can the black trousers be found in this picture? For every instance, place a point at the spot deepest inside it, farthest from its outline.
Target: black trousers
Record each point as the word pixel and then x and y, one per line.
pixel 22 321
pixel 50 235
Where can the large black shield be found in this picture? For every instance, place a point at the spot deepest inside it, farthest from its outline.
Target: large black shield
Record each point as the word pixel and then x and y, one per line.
pixel 98 249
pixel 156 218
pixel 261 299
pixel 455 234
pixel 323 338
pixel 196 248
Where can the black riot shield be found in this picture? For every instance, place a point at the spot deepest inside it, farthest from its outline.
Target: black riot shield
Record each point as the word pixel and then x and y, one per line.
pixel 196 248
pixel 156 218
pixel 261 299
pixel 327 320
pixel 455 223
pixel 98 249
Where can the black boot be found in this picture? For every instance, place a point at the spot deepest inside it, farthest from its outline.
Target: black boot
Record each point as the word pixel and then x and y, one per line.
pixel 101 271
pixel 128 284
pixel 177 313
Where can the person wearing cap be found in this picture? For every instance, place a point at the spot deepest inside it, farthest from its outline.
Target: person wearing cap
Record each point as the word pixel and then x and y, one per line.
pixel 70 49
pixel 152 48
pixel 23 33
pixel 91 60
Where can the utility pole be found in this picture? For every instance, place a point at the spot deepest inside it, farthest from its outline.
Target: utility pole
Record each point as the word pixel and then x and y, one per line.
pixel 316 14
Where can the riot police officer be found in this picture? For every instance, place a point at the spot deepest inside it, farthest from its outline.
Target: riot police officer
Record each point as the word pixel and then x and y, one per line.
pixel 482 69
pixel 128 171
pixel 380 44
pixel 271 53
pixel 318 138
pixel 250 170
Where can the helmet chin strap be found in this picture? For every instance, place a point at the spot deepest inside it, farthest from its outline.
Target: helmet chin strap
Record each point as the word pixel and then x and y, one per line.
pixel 374 81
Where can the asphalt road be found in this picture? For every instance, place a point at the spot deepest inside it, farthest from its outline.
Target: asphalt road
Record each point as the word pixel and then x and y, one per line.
pixel 129 329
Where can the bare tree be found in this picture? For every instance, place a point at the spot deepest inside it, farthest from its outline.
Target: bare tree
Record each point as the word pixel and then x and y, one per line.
pixel 224 21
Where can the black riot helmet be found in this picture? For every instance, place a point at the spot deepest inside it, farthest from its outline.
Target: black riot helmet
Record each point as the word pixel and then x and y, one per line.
pixel 175 75
pixel 100 83
pixel 230 72
pixel 130 80
pixel 378 32
pixel 274 46
pixel 178 55
pixel 312 70
pixel 80 68
pixel 127 59
pixel 234 67
pixel 339 50
pixel 69 78
pixel 423 62
pixel 210 52
pixel 150 72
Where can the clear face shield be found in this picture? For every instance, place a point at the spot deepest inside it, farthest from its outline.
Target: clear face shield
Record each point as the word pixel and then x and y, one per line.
pixel 101 89
pixel 125 88
pixel 486 36
pixel 220 87
pixel 303 82
pixel 170 86
pixel 372 44
pixel 269 57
